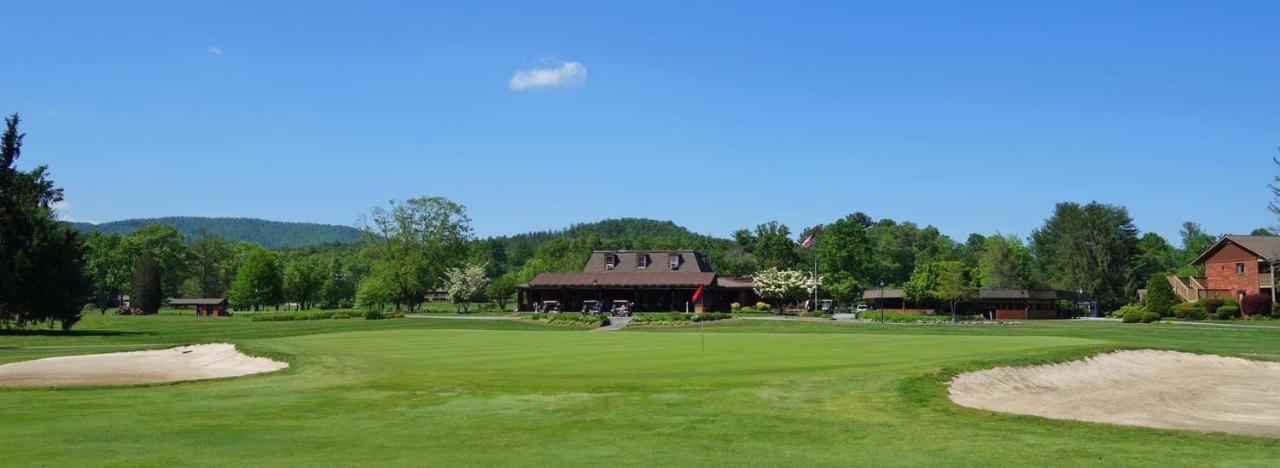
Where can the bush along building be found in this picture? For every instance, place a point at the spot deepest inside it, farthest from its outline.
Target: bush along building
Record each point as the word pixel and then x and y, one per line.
pixel 657 281
pixel 1234 267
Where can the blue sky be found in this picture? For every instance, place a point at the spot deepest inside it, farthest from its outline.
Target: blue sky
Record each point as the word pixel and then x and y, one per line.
pixel 973 117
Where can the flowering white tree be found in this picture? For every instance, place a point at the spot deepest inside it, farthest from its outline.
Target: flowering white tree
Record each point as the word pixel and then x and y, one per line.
pixel 784 285
pixel 464 283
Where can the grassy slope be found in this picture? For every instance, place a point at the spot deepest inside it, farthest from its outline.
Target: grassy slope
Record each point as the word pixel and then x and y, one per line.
pixel 415 392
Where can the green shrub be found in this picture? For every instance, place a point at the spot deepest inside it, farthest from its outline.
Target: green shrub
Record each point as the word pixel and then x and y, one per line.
pixel 1256 305
pixel 1150 317
pixel 570 319
pixel 736 306
pixel 910 317
pixel 1211 304
pixel 1190 311
pixel 710 317
pixel 374 314
pixel 341 315
pixel 1130 313
pixel 763 306
pixel 1227 312
pixel 292 316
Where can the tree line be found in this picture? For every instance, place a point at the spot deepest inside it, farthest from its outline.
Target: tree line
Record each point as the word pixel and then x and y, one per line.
pixel 49 271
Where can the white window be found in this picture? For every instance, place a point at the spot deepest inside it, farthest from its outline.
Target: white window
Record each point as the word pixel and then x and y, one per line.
pixel 1239 268
pixel 610 261
pixel 642 261
pixel 674 261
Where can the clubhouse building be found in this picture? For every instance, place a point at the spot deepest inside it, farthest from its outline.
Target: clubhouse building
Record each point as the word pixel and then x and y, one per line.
pixel 650 280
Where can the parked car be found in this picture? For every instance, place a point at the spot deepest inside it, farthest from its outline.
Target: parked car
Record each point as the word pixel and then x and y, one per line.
pixel 861 308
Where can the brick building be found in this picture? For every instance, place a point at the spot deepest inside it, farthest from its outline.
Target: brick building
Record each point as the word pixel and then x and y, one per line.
pixel 1233 267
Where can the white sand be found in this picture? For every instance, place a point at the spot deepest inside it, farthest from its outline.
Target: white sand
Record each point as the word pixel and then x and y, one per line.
pixel 206 361
pixel 1162 389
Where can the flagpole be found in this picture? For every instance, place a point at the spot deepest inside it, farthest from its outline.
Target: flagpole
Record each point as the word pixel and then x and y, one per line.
pixel 815 274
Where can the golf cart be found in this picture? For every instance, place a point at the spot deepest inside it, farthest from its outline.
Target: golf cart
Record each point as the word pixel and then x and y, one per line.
pixel 621 308
pixel 827 306
pixel 549 307
pixel 591 307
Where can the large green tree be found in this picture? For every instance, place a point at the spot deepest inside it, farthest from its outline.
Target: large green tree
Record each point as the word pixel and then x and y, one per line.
pixel 1088 248
pixel 42 276
pixel 211 258
pixel 844 255
pixel 1155 257
pixel 1004 263
pixel 414 242
pixel 304 280
pixel 108 267
pixel 773 247
pixel 259 281
pixel 1194 242
pixel 949 282
pixel 168 248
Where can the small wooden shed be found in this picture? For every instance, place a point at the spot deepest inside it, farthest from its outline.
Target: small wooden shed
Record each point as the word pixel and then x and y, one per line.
pixel 205 307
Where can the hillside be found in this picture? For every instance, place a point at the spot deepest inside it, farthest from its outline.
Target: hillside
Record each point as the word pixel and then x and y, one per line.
pixel 568 249
pixel 270 234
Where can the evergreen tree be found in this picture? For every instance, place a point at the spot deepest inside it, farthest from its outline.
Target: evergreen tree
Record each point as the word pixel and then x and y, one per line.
pixel 41 259
pixel 1089 248
pixel 1160 296
pixel 148 292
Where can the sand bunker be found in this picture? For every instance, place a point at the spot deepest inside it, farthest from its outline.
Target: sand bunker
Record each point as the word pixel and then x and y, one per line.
pixel 207 361
pixel 1161 389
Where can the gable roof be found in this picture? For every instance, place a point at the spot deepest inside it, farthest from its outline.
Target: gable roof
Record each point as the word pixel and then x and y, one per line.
pixel 623 279
pixel 1265 247
pixel 198 301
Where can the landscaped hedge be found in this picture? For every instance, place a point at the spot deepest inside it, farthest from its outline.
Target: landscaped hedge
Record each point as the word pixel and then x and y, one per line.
pixel 1192 310
pixel 1227 313
pixel 907 317
pixel 570 318
pixel 676 318
pixel 323 315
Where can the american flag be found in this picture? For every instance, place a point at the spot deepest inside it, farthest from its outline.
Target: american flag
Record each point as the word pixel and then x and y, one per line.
pixel 809 242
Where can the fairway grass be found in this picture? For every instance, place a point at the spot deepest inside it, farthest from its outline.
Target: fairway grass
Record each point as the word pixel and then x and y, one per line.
pixel 450 392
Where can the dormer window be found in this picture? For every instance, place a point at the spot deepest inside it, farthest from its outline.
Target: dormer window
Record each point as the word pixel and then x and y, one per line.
pixel 610 261
pixel 674 261
pixel 642 261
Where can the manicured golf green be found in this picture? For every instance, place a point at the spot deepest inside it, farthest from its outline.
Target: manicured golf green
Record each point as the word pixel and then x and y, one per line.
pixel 453 392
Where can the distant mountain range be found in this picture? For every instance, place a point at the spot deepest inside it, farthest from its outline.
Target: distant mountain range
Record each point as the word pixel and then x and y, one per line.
pixel 269 234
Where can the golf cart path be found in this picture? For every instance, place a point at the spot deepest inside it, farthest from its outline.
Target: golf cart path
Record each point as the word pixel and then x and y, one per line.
pixel 616 323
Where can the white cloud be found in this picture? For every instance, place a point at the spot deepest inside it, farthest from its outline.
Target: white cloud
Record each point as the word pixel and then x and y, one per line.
pixel 564 74
pixel 61 205
pixel 215 50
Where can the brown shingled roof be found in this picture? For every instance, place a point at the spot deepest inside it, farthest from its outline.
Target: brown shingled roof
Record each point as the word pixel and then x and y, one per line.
pixel 197 301
pixel 622 279
pixel 1265 247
